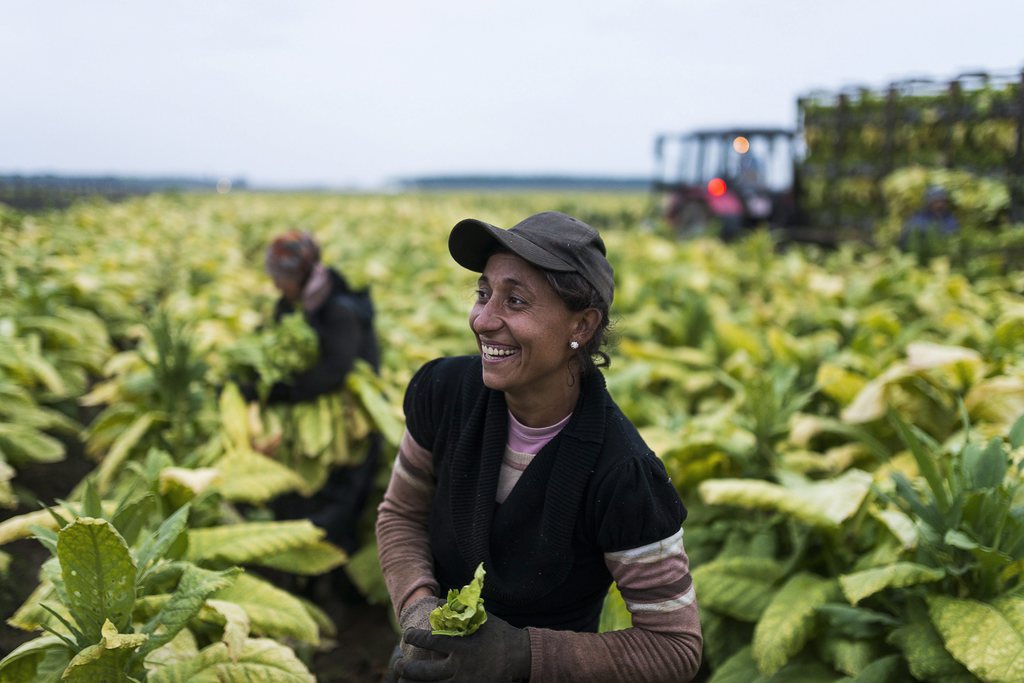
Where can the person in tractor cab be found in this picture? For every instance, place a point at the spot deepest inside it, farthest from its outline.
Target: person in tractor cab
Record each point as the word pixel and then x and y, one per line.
pixel 518 458
pixel 342 318
pixel 751 172
pixel 935 220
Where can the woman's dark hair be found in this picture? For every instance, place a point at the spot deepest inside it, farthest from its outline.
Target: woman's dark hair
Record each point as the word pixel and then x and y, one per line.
pixel 579 295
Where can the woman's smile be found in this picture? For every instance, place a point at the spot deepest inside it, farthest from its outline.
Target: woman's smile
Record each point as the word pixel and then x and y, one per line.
pixel 497 352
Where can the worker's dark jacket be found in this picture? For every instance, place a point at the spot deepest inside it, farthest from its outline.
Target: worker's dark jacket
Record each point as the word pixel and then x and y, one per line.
pixel 593 489
pixel 344 327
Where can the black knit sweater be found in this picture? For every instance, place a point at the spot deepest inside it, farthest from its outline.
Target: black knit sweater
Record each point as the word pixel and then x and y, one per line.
pixel 595 488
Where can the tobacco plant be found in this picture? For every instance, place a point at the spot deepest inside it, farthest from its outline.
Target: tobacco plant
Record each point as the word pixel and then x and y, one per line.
pixel 123 602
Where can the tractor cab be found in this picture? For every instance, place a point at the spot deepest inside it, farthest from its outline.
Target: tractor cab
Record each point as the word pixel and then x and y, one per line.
pixel 726 181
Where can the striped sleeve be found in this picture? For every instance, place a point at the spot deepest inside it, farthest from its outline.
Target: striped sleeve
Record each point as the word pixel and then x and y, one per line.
pixel 656 585
pixel 665 642
pixel 402 517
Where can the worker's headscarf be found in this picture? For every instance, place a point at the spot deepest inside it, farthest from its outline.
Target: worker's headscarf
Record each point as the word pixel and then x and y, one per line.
pixel 292 256
pixel 295 256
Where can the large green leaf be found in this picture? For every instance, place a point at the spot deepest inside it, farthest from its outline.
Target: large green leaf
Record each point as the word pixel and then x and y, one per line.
pixel 27 414
pixel 106 660
pixel 997 399
pixel 236 625
pixel 615 615
pixel 21 445
pixel 363 384
pixel 739 587
pixel 53 664
pixel 987 638
pixel 823 504
pixel 122 448
pixel 314 424
pixel 249 477
pixel 891 669
pixel 21 663
pixel 926 459
pixel 107 426
pixel 131 515
pixel 251 542
pixel 272 611
pixel 31 615
pixel 926 656
pixel 261 660
pixel 181 648
pixel 21 526
pixel 234 417
pixel 309 560
pixel 156 545
pixel 7 497
pixel 1016 435
pixel 194 587
pixel 43 370
pixel 871 403
pixel 860 585
pixel 900 525
pixel 740 668
pixel 789 620
pixel 186 483
pixel 723 637
pixel 99 574
pixel 985 468
pixel 849 655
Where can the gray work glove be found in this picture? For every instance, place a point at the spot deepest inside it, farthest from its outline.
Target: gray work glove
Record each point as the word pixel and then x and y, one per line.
pixel 497 652
pixel 417 615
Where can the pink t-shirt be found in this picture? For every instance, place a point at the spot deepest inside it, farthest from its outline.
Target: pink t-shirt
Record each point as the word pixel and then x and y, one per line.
pixel 523 439
pixel 523 443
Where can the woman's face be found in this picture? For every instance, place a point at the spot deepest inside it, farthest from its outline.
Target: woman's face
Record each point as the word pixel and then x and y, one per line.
pixel 290 288
pixel 523 330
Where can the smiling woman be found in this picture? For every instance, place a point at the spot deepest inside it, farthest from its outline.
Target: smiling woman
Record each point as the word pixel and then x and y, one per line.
pixel 519 459
pixel 524 332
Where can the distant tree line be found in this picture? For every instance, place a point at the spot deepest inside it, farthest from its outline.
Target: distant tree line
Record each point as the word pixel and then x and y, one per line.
pixel 525 182
pixel 42 192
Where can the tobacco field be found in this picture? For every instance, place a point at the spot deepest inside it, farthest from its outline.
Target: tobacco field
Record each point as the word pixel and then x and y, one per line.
pixel 845 428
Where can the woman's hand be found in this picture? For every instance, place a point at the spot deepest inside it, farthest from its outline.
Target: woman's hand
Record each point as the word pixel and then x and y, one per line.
pixel 496 652
pixel 416 615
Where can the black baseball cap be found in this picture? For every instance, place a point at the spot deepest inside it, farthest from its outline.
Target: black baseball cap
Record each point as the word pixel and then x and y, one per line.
pixel 549 240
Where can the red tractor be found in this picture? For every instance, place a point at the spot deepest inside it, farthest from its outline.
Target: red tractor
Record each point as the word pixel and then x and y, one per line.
pixel 726 181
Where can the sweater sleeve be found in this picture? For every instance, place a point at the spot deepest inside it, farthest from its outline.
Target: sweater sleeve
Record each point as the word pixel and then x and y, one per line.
pixel 402 519
pixel 639 529
pixel 665 642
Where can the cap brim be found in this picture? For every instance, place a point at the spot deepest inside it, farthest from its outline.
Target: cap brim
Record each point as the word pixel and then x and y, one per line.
pixel 471 242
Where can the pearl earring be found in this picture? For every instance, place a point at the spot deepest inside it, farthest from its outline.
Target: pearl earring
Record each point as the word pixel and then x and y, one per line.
pixel 574 345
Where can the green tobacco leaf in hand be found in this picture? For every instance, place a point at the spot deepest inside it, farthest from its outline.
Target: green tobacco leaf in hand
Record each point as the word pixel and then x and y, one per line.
pixel 464 612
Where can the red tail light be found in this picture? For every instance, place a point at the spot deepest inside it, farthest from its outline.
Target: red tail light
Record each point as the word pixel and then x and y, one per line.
pixel 716 187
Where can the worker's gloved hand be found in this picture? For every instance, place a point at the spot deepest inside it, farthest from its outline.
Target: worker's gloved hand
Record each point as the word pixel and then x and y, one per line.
pixel 417 616
pixel 497 652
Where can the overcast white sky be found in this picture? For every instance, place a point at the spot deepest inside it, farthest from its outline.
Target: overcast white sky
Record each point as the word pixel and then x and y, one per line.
pixel 358 93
